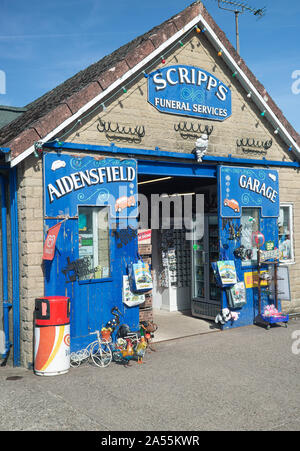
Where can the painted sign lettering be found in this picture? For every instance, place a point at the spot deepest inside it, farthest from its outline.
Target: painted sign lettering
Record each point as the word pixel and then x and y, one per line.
pixel 245 187
pixel 189 91
pixel 258 187
pixel 95 176
pixel 72 181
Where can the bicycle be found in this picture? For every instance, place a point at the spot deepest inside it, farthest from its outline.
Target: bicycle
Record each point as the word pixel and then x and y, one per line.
pixel 100 351
pixel 81 356
pixel 103 351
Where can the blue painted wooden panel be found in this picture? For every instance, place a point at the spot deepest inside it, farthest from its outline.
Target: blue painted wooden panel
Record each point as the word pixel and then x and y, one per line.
pixel 267 225
pixel 91 300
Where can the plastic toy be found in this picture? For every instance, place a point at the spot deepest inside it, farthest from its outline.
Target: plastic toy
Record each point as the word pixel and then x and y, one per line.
pixel 141 349
pixel 113 323
pixel 147 330
pixel 226 315
pixel 128 353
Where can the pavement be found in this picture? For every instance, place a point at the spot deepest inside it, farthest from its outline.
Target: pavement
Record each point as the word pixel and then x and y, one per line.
pixel 172 325
pixel 240 379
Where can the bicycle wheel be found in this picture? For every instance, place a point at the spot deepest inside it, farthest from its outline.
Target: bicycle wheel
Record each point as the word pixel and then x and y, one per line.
pixel 74 360
pixel 101 354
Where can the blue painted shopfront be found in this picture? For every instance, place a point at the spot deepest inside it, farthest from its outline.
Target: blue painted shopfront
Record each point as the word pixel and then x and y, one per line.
pixel 247 196
pixel 248 202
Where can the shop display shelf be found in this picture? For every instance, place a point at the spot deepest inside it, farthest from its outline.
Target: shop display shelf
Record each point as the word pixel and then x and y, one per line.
pixel 267 321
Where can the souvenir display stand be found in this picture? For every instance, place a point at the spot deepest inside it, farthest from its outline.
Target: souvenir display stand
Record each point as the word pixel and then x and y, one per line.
pixel 145 309
pixel 270 315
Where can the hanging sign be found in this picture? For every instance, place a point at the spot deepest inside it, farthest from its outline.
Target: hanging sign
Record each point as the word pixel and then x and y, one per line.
pixel 246 187
pixel 49 246
pixel 189 91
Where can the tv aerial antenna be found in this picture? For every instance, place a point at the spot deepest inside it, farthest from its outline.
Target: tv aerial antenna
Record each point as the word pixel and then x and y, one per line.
pixel 239 8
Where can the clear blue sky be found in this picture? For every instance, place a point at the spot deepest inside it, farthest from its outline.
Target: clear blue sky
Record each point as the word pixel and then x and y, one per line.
pixel 42 43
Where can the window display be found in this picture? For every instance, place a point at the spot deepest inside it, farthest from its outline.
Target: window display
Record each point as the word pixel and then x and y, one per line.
pixel 175 259
pixel 94 241
pixel 285 233
pixel 250 226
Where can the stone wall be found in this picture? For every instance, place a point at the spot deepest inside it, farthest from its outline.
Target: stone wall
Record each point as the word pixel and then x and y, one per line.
pixel 30 200
pixel 289 180
pixel 132 109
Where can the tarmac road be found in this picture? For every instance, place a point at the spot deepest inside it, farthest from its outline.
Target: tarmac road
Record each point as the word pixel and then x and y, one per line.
pixel 242 379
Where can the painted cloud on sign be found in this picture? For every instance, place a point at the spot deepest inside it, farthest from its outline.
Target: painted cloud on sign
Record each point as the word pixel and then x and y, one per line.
pixel 272 177
pixel 57 164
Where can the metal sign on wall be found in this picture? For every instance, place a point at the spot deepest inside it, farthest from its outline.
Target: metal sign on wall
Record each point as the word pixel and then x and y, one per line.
pixel 189 91
pixel 246 187
pixel 73 181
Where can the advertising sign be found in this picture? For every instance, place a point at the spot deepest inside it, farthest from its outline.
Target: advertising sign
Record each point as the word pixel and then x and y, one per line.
pixel 49 245
pixel 73 181
pixel 189 91
pixel 246 187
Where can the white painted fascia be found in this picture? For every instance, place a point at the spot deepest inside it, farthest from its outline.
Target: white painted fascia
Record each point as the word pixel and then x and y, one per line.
pixel 217 44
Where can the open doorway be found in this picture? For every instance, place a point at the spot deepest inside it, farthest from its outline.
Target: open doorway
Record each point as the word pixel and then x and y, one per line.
pixel 183 282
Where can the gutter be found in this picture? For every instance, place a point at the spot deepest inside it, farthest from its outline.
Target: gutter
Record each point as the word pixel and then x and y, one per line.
pixel 15 263
pixel 141 153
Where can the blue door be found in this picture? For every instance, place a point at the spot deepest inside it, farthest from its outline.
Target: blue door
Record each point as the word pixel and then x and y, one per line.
pixel 97 239
pixel 248 205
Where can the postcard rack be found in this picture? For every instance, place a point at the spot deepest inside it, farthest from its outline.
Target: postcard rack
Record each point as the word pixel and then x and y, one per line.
pixel 271 314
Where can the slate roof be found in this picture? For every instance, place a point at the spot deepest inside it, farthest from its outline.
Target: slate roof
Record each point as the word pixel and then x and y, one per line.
pixel 9 114
pixel 53 108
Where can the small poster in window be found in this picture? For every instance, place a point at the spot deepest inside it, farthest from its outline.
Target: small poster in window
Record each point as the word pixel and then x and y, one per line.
pixel 105 271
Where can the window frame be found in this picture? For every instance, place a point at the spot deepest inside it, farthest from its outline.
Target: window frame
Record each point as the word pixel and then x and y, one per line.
pixel 250 264
pixel 94 214
pixel 290 207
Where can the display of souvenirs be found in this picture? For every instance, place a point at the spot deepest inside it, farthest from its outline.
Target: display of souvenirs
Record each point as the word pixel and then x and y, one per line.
pixel 129 298
pixel 237 295
pixel 140 276
pixel 175 259
pixel 285 247
pixel 227 272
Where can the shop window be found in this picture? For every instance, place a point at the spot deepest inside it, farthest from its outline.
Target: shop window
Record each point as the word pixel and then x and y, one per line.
pixel 285 233
pixel 94 249
pixel 250 223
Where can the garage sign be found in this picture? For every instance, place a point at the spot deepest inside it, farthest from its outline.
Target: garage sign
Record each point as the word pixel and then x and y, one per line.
pixel 246 187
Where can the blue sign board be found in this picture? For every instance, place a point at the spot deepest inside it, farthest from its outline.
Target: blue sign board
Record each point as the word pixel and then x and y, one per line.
pixel 189 91
pixel 246 187
pixel 72 181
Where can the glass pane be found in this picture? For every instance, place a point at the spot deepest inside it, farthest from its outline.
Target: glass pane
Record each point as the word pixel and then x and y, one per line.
pixel 250 225
pixel 284 231
pixel 93 233
pixel 199 262
pixel 213 251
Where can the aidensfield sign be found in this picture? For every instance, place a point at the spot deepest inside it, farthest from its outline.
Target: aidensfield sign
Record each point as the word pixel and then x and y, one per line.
pixel 189 91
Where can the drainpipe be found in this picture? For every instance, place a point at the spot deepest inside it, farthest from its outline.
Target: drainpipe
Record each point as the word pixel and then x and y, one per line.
pixel 15 263
pixel 6 304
